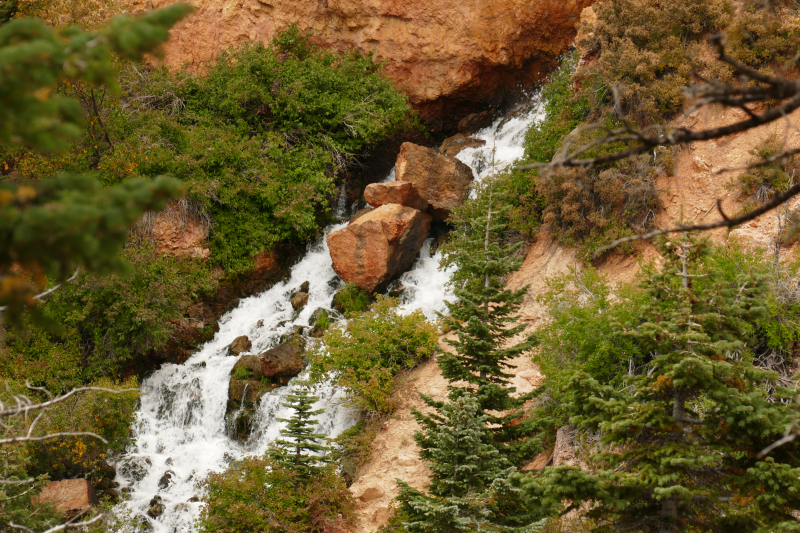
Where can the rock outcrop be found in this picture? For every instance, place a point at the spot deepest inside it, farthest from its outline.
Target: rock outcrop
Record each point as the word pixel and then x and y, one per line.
pixel 451 58
pixel 441 180
pixel 68 496
pixel 378 246
pixel 180 229
pixel 394 192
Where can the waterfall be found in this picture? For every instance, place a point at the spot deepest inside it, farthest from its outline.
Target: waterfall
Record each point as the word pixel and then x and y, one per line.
pixel 180 425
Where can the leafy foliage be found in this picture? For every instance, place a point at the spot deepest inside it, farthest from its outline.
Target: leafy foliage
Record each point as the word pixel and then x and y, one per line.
pixel 256 494
pixel 374 346
pixel 699 412
pixel 351 299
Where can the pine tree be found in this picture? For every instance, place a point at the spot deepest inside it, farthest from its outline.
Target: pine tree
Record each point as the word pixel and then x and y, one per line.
pixel 680 448
pixel 51 228
pixel 469 489
pixel 485 322
pixel 304 450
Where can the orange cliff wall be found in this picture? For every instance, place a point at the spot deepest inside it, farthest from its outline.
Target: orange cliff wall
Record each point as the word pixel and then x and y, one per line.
pixel 451 57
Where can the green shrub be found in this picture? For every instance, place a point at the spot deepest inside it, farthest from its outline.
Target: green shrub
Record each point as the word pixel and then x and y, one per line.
pixel 351 299
pixel 242 373
pixel 355 447
pixel 368 353
pixel 108 415
pixel 256 494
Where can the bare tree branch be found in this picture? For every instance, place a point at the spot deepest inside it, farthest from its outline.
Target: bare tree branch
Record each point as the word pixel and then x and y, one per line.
pixel 724 223
pixel 62 527
pixel 25 405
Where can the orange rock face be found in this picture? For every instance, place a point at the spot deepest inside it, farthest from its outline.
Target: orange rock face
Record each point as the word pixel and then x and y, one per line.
pixel 441 180
pixel 68 496
pixel 177 230
pixel 395 192
pixel 450 57
pixel 379 245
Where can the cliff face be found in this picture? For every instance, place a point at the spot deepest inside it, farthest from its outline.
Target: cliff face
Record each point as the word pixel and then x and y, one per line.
pixel 451 57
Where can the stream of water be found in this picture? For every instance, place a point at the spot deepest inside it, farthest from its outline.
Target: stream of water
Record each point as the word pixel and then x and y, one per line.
pixel 180 424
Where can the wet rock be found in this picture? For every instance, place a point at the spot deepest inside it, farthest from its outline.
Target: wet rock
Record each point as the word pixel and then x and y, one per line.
pixel 360 213
pixel 240 345
pixel 166 479
pixel 135 468
pixel 246 390
pixel 394 192
pixel 68 496
pixel 111 496
pixel 182 507
pixel 318 313
pixel 453 145
pixel 441 180
pixel 319 319
pixel 475 121
pixel 299 300
pixel 284 360
pixel 304 287
pixel 251 363
pixel 194 499
pixel 201 312
pixel 395 289
pixel 142 524
pixel 378 246
pixel 156 507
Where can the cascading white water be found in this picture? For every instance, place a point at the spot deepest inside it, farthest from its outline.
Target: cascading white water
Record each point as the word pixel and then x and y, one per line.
pixel 180 433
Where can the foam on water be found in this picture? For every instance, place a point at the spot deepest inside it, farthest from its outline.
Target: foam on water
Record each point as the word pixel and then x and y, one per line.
pixel 180 424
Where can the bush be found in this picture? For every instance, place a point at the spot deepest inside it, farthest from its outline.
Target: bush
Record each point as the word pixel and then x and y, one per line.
pixel 371 350
pixel 354 448
pixel 242 373
pixel 351 299
pixel 255 494
pixel 108 415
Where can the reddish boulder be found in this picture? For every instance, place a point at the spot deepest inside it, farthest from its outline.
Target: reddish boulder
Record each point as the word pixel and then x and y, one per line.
pixel 394 192
pixel 378 246
pixel 360 213
pixel 68 496
pixel 284 360
pixel 441 180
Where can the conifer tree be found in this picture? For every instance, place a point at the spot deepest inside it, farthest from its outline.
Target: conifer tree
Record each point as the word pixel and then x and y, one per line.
pixel 51 228
pixel 304 450
pixel 680 448
pixel 469 488
pixel 485 322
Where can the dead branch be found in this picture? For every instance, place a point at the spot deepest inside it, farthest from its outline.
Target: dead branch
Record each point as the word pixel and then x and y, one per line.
pixel 40 297
pixel 726 222
pixel 62 527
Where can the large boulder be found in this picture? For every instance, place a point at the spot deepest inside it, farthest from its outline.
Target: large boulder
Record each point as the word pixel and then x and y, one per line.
pixel 68 496
pixel 441 180
pixel 378 246
pixel 284 360
pixel 452 146
pixel 394 192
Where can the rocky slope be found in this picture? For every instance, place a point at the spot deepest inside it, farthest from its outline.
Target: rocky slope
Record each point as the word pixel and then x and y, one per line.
pixel 693 189
pixel 450 57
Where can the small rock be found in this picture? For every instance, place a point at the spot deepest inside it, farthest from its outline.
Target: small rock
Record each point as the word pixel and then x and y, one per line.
pixel 474 122
pixel 299 300
pixel 182 507
pixel 166 479
pixel 304 287
pixel 394 192
pixel 260 323
pixel 453 145
pixel 156 510
pixel 240 345
pixel 318 313
pixel 370 494
pixel 135 468
pixel 395 289
pixel 194 499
